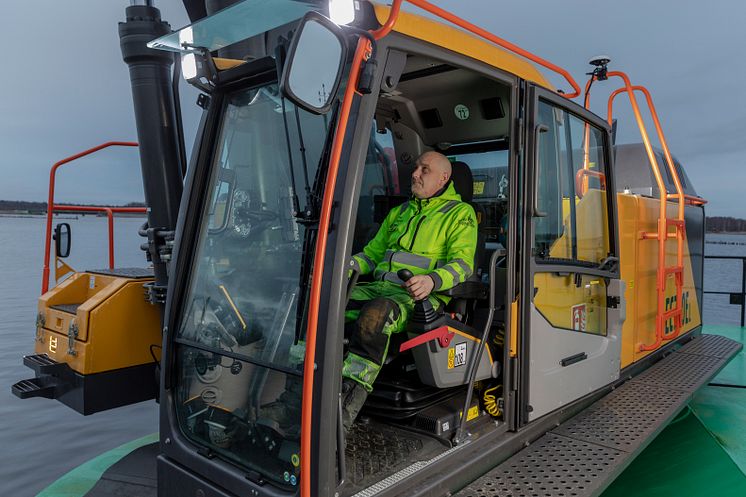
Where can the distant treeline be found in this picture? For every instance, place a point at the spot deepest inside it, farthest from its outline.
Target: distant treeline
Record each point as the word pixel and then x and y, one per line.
pixel 726 225
pixel 24 207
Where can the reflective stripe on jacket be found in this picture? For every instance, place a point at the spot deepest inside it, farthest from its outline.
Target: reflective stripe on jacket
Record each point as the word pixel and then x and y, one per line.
pixel 435 236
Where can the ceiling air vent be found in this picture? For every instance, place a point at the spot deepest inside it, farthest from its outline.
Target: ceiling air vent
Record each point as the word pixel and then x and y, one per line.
pixel 431 118
pixel 492 108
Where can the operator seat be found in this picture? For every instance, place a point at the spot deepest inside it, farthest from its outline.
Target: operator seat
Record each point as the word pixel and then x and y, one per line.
pixel 399 394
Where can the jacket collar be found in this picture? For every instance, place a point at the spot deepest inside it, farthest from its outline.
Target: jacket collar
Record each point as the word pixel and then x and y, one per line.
pixel 447 193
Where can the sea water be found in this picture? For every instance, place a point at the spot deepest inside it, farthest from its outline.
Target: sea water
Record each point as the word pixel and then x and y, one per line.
pixel 41 439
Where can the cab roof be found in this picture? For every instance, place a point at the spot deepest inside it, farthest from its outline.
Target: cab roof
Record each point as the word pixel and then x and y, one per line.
pixel 462 42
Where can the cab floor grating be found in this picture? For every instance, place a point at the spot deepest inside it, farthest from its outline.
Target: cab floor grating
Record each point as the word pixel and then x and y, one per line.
pixel 375 450
pixel 125 272
pixel 585 453
pixel 714 346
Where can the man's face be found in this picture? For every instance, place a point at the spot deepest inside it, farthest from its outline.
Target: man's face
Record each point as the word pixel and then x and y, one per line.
pixel 428 177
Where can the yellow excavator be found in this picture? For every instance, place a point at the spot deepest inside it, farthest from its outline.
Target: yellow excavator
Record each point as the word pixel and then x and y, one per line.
pixel 575 341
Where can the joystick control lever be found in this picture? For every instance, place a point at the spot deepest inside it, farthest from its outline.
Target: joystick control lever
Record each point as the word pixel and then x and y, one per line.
pixel 424 317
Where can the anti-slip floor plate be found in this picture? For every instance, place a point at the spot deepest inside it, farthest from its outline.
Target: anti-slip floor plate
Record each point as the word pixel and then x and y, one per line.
pixel 583 455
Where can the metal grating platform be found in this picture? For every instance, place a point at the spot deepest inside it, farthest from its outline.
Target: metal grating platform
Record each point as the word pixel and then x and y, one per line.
pixel 583 455
pixel 714 346
pixel 125 272
pixel 687 372
pixel 625 418
pixel 551 466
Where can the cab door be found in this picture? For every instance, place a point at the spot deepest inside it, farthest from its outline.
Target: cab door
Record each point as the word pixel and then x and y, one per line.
pixel 576 309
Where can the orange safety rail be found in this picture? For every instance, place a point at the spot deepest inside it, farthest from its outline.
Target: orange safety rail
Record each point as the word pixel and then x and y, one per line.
pixel 664 222
pixel 52 208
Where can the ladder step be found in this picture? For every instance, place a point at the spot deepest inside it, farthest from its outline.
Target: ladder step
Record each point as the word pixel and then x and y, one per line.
pixel 35 387
pixel 675 222
pixel 674 269
pixel 672 313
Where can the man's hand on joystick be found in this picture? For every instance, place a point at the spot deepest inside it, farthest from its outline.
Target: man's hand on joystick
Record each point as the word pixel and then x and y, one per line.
pixel 419 287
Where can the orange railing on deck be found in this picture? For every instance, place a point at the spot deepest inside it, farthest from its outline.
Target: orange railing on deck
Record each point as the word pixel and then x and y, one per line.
pixel 664 222
pixel 52 208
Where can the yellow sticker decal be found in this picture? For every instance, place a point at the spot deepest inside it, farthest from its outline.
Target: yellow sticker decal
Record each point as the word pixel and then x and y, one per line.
pixel 451 357
pixel 478 187
pixel 472 413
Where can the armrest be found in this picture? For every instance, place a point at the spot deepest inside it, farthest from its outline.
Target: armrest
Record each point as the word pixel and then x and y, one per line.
pixel 468 290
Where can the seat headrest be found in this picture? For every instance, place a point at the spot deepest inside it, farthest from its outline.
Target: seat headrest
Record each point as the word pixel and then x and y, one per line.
pixel 463 181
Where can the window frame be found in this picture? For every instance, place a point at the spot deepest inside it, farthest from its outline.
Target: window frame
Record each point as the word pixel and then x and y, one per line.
pixel 538 94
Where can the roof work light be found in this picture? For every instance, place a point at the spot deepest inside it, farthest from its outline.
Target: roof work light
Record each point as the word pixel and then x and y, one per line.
pixel 342 11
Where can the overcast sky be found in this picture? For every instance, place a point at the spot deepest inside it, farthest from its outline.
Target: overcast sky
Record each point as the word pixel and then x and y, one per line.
pixel 65 87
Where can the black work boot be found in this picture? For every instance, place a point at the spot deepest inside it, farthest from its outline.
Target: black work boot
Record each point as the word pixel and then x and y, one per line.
pixel 353 398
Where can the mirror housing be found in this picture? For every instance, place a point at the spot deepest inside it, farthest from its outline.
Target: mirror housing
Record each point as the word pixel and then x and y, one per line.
pixel 62 240
pixel 313 69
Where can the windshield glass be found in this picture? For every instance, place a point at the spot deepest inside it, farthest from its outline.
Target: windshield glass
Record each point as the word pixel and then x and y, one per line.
pixel 239 355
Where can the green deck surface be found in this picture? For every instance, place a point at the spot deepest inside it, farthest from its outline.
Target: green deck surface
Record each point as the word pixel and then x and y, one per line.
pixel 701 454
pixel 79 481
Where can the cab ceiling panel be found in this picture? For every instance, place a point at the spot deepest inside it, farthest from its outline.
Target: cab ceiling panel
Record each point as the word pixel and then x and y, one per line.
pixel 449 105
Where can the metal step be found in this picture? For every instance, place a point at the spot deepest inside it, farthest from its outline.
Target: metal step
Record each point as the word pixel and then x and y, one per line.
pixel 583 455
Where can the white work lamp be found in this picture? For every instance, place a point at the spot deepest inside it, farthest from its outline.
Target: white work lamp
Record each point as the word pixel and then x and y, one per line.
pixel 342 11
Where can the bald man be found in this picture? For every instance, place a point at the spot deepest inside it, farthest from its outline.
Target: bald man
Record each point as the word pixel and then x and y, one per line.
pixel 434 235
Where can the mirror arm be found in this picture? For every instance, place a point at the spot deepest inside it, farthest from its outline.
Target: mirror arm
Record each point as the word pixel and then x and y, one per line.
pixel 540 128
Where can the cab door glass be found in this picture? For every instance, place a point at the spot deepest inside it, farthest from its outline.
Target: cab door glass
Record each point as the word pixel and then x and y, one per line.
pixel 571 189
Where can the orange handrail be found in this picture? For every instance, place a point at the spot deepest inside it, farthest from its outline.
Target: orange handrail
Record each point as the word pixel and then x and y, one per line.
pixel 309 365
pixel 664 222
pixel 581 175
pixel 51 207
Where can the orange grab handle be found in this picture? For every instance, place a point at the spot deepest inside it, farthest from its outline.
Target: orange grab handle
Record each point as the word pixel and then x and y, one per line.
pixel 582 174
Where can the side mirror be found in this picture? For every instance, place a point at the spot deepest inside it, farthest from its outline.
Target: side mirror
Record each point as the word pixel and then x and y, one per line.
pixel 62 240
pixel 314 65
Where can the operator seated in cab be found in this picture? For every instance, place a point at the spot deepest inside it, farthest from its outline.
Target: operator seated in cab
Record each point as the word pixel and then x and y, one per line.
pixel 433 235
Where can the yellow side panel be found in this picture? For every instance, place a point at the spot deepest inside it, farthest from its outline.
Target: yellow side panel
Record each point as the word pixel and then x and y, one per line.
pixel 116 326
pixel 459 41
pixel 639 264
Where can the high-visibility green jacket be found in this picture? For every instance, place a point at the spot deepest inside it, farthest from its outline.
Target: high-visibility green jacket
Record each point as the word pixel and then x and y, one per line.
pixel 435 236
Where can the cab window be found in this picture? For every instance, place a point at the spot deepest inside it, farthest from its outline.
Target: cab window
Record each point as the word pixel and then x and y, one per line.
pixel 572 222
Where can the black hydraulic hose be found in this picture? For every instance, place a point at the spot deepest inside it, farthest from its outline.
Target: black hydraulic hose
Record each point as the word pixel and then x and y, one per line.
pixel 177 110
pixel 476 357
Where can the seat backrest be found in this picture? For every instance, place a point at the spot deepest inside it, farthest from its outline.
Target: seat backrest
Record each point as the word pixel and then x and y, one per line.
pixel 463 181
